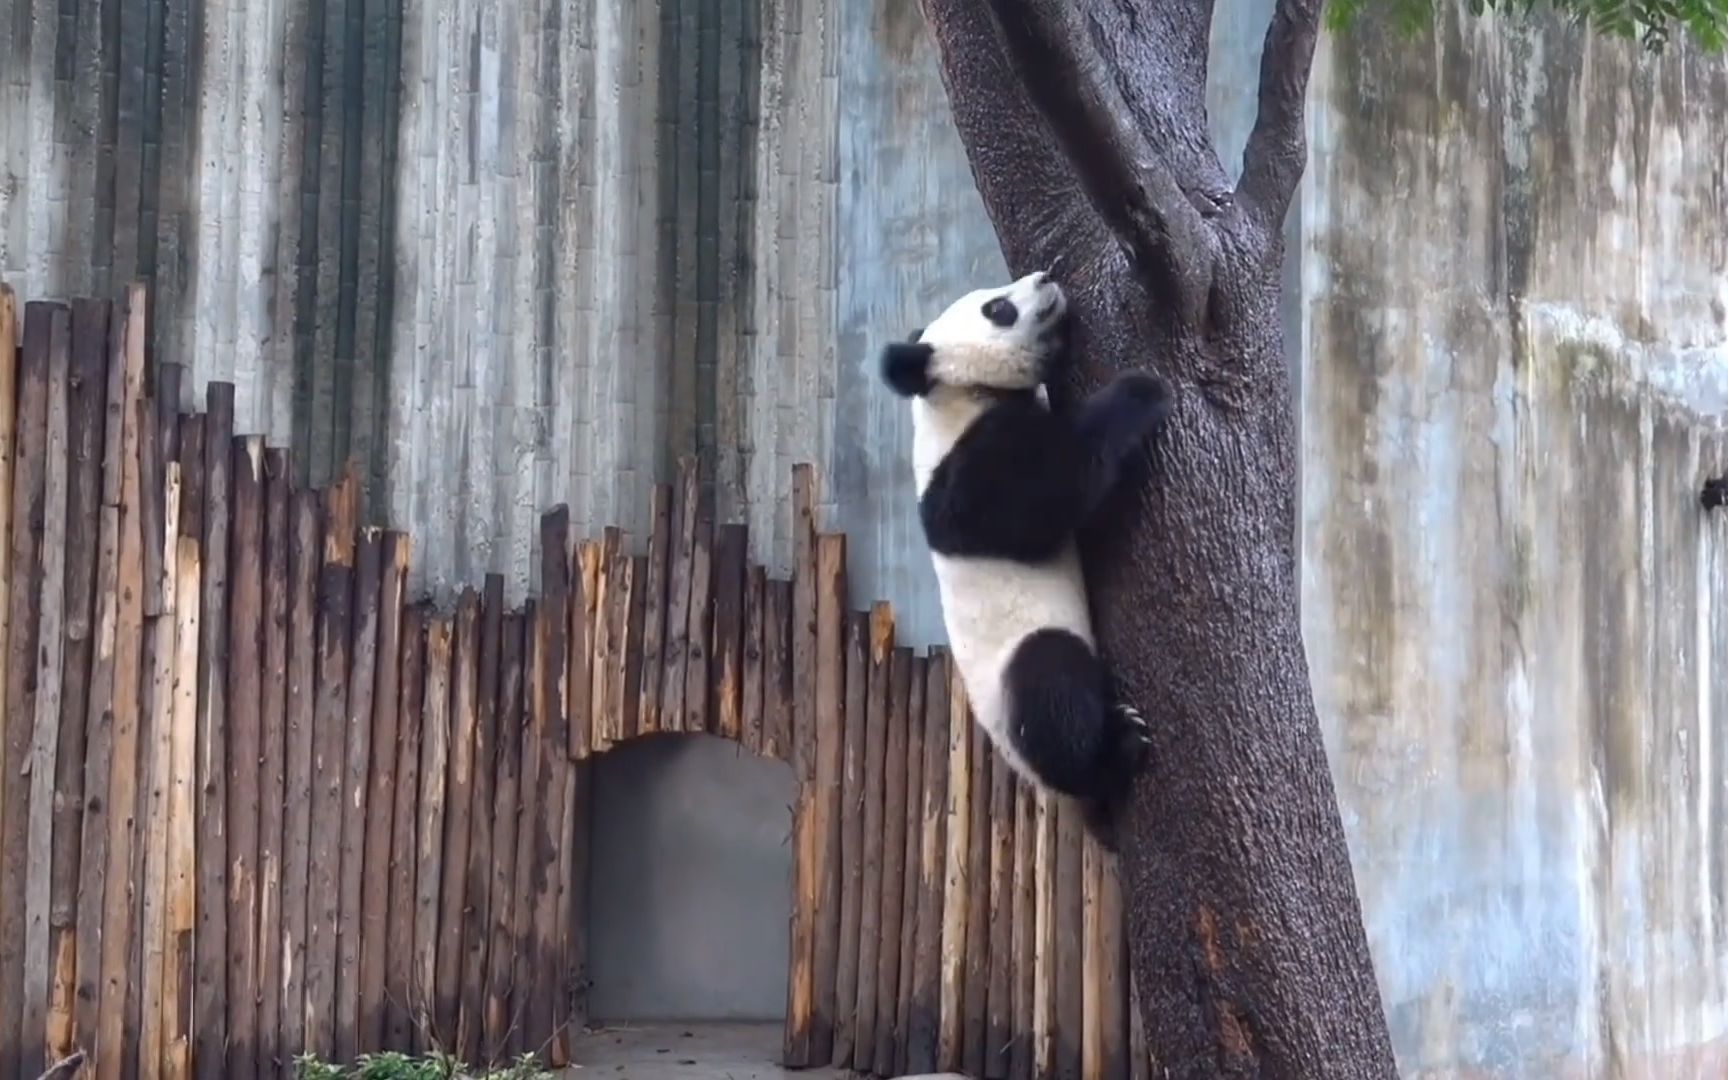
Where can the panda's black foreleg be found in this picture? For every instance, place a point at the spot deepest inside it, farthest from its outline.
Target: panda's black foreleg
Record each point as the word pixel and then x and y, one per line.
pixel 1115 423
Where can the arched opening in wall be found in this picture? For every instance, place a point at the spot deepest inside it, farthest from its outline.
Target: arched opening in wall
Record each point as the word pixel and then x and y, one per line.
pixel 689 895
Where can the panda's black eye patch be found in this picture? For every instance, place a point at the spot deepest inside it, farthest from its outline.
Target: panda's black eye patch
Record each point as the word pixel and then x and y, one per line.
pixel 1002 312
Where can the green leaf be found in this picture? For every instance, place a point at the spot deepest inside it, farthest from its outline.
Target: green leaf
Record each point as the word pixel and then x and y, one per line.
pixel 1653 24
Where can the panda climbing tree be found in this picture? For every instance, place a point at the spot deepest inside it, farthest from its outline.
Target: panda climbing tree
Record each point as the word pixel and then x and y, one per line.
pixel 1085 125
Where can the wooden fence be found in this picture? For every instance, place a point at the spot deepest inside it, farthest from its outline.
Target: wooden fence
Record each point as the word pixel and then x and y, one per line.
pixel 254 802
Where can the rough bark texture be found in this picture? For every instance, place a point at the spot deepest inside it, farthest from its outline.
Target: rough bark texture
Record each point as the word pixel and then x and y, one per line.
pixel 1085 125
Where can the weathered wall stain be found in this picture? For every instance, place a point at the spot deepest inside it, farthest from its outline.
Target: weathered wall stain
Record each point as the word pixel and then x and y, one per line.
pixel 1513 385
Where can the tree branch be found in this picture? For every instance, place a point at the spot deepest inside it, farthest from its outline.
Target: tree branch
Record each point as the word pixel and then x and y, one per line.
pixel 1129 185
pixel 1160 54
pixel 1041 215
pixel 1277 148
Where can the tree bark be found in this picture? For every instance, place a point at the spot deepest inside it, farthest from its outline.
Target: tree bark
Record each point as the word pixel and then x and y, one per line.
pixel 1084 122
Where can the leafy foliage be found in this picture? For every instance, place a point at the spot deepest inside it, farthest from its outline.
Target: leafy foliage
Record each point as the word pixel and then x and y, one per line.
pixel 1652 23
pixel 433 1066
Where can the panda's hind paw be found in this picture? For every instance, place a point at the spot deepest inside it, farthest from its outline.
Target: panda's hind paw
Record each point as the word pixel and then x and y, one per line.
pixel 1133 740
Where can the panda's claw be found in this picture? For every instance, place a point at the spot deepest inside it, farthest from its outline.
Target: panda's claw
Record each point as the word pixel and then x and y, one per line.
pixel 1132 716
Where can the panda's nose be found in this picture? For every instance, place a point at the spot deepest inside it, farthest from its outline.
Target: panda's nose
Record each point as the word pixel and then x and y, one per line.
pixel 1039 277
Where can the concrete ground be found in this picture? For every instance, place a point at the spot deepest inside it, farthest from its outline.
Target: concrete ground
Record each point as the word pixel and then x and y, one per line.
pixel 686 1052
pixel 691 1052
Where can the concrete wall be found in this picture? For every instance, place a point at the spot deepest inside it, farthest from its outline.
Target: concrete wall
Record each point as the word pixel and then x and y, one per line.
pixel 690 882
pixel 514 252
pixel 1514 384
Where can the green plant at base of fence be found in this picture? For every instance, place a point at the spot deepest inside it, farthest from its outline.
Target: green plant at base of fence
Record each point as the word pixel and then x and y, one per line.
pixel 436 1065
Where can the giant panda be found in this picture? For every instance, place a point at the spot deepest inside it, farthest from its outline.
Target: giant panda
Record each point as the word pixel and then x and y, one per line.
pixel 1003 484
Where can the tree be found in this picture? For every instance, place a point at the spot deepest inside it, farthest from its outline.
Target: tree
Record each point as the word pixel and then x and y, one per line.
pixel 1085 125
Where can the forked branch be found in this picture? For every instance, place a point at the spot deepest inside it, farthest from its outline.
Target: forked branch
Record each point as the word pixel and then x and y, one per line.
pixel 1277 148
pixel 1126 180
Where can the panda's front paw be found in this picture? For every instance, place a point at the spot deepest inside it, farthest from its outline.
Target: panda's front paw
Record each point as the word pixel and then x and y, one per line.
pixel 1148 396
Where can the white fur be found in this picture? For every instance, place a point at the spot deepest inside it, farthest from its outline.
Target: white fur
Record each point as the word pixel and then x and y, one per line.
pixel 990 605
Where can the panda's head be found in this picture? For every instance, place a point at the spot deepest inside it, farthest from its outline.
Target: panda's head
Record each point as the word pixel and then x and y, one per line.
pixel 999 339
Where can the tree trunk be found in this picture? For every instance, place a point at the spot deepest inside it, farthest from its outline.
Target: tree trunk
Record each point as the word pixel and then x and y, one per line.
pixel 1084 123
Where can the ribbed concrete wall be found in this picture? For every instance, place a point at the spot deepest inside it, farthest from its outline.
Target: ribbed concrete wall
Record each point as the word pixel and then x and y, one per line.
pixel 1515 383
pixel 503 254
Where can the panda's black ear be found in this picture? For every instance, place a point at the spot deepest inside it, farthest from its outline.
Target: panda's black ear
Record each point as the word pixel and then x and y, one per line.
pixel 906 368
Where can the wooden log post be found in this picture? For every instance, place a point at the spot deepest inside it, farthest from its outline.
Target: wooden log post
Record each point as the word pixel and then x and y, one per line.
pixel 121 892
pixel 87 390
pixel 8 449
pixel 1045 938
pixel 893 858
pixel 458 807
pixel 870 911
pixel 300 727
pixel 958 882
pixel 686 504
pixel 329 772
pixel 1024 915
pixel 1068 1017
pixel 244 747
pixel 540 693
pixel 402 909
pixel 27 494
pixel 777 670
pixel 210 999
pixel 857 705
pixel 699 633
pixel 987 907
pixel 913 844
pixel 828 716
pixel 477 912
pixel 182 827
pixel 580 671
pixel 924 1021
pixel 507 773
pixel 356 775
pixel 38 768
pixel 606 627
pixel 634 617
pixel 726 664
pixel 376 868
pixel 1104 1037
pixel 755 659
pixel 153 807
pixel 272 754
pixel 99 713
pixel 624 646
pixel 654 592
pixel 544 765
pixel 431 835
pixel 161 646
pixel 806 1041
pixel 49 685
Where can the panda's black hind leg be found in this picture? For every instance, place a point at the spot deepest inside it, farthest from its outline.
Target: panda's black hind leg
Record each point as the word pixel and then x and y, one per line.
pixel 1065 724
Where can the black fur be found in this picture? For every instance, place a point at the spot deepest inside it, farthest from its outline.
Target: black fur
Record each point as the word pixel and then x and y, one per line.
pixel 1063 721
pixel 1715 493
pixel 906 368
pixel 1022 479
